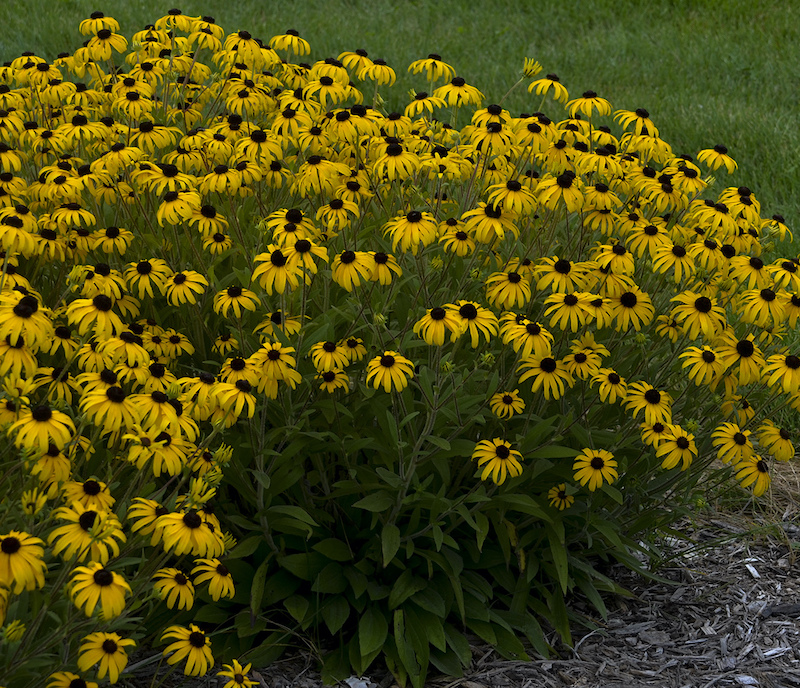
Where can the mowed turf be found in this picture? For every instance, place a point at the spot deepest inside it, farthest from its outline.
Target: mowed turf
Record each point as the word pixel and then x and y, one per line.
pixel 722 71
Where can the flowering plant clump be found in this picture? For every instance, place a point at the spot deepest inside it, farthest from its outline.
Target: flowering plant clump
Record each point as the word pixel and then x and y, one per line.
pixel 278 360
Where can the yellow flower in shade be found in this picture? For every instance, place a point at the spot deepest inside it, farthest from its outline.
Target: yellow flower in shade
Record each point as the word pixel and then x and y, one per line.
pixel 110 409
pixel 508 289
pixel 384 267
pixel 676 446
pixel 655 404
pixel 236 299
pixel 390 371
pixel 350 268
pixel 91 533
pixel 106 650
pixel 192 645
pixel 474 319
pixel 717 157
pixel 698 314
pixel 593 467
pixel 783 370
pixel 433 67
pixel 568 311
pixel 237 675
pixel 558 497
pixel 750 360
pixel 435 324
pixel 185 287
pixel 331 380
pixel 733 444
pixel 94 315
pixel 548 83
pixel 328 356
pixel 94 585
pixel 777 441
pixel 754 471
pixel 189 533
pixel 33 502
pixel 275 272
pixel 91 493
pixel 703 363
pixel 412 231
pixel 217 575
pixel 66 679
pixel 40 427
pixel 632 308
pixel 174 587
pixel 497 459
pixel 506 404
pixel 21 565
pixel 549 375
pixel 612 387
pixel 588 104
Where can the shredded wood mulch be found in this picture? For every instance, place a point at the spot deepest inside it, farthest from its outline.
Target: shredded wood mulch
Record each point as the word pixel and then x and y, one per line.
pixel 729 615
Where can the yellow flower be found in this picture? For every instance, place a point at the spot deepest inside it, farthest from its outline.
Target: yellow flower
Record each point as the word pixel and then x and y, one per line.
pixel 390 371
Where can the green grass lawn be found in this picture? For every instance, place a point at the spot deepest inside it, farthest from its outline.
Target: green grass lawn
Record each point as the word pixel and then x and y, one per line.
pixel 723 71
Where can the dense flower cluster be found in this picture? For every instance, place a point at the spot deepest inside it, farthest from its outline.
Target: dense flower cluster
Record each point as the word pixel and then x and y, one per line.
pixel 196 230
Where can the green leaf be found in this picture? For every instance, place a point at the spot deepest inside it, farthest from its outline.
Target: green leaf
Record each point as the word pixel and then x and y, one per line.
pixel 294 512
pixel 297 606
pixel 358 581
pixel 372 631
pixel 559 553
pixel 481 529
pixel 612 492
pixel 439 442
pixel 246 547
pixel 432 626
pixel 303 565
pixel 554 451
pixel 378 501
pixel 257 588
pixel 330 580
pixel 334 549
pixel 404 587
pixel 279 586
pixel 391 479
pixel 438 536
pixel 390 542
pixel 428 598
pixel 335 612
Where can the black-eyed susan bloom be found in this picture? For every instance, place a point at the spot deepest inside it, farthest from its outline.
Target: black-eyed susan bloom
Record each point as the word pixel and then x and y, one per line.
pixel 235 300
pixel 436 323
pixel 676 446
pixel 611 387
pixel 549 375
pixel 732 443
pixel 67 679
pixel 390 371
pixel 237 675
pixel 21 561
pixel 508 289
pixel 497 460
pixel 189 533
pixel 40 427
pixel 754 471
pixel 351 268
pixel 190 644
pixel 95 585
pixel 217 575
pixel 717 157
pixel 698 314
pixel 777 441
pixel 703 364
pixel 559 498
pixel 474 319
pixel 107 651
pixel 506 404
pixel 275 272
pixel 593 467
pixel 174 587
pixel 656 404
pixel 328 356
